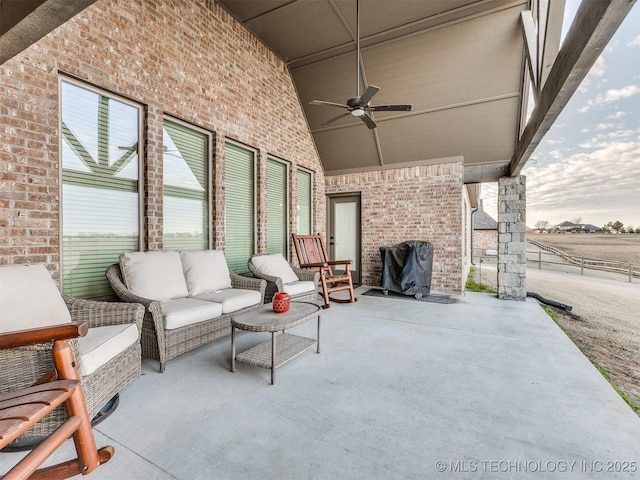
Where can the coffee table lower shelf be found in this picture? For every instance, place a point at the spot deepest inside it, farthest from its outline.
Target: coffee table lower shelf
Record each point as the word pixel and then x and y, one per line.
pixel 288 347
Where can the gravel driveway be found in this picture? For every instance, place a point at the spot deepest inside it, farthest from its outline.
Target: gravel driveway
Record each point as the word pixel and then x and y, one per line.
pixel 605 323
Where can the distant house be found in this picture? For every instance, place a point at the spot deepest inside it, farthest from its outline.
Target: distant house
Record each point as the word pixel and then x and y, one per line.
pixel 570 227
pixel 485 232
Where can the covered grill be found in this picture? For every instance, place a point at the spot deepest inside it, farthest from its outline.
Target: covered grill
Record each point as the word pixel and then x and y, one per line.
pixel 406 268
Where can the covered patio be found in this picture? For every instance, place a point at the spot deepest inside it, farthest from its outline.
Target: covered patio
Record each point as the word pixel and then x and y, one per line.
pixel 481 387
pixel 402 389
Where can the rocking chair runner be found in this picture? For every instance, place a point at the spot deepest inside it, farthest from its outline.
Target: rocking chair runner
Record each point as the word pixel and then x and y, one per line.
pixel 312 255
pixel 23 408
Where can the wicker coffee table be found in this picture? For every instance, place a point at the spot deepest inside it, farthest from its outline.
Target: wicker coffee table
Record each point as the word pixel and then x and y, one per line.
pixel 281 348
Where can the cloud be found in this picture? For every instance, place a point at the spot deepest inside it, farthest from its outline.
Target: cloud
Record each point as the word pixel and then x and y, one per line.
pixel 624 92
pixel 635 42
pixel 604 126
pixel 599 183
pixel 611 96
pixel 617 115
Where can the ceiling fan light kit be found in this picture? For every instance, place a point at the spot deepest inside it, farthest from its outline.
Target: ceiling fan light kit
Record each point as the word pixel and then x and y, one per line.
pixel 360 105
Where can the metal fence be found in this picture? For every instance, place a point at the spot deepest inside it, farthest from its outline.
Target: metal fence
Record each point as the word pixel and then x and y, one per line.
pixel 548 255
pixel 551 258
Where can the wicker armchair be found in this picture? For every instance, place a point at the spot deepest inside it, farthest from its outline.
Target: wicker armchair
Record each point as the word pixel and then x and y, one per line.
pixel 22 296
pixel 276 284
pixel 162 344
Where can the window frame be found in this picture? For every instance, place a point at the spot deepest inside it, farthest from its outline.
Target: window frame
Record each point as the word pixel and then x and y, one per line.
pixel 209 167
pixel 63 78
pixel 311 197
pixel 287 209
pixel 255 154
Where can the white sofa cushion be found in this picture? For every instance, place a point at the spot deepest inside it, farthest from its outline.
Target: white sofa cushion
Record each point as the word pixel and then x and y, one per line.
pixel 205 271
pixel 186 311
pixel 274 265
pixel 154 275
pixel 232 299
pixel 29 298
pixel 101 344
pixel 299 287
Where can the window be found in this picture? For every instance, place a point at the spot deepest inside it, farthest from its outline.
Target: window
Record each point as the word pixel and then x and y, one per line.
pixel 99 148
pixel 304 196
pixel 185 186
pixel 277 207
pixel 239 201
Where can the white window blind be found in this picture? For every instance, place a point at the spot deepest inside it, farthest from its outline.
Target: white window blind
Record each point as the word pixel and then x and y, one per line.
pixel 277 207
pixel 100 197
pixel 185 187
pixel 239 200
pixel 304 195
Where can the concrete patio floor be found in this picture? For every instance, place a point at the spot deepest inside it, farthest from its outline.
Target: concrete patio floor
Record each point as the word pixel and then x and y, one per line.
pixel 479 388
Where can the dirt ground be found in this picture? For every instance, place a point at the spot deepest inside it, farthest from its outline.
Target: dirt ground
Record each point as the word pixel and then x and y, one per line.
pixel 623 248
pixel 604 322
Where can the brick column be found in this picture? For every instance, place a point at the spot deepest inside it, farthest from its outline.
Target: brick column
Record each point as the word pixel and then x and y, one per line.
pixel 512 248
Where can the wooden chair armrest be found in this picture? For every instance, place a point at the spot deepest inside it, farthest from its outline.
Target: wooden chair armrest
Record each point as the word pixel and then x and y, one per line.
pixel 22 338
pixel 339 262
pixel 314 265
pixel 325 264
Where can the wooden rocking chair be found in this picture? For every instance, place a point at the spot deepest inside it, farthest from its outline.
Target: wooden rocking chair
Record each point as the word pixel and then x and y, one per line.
pixel 23 408
pixel 312 255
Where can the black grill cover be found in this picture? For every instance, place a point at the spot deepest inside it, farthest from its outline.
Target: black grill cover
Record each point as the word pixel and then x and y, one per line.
pixel 406 267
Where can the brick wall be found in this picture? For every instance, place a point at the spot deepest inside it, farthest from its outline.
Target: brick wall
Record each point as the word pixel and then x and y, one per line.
pixel 416 203
pixel 484 240
pixel 186 58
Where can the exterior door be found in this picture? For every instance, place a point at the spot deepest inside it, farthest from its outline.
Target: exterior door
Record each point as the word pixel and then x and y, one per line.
pixel 344 231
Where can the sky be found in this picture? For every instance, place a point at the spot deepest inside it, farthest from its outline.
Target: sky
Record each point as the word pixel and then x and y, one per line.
pixel 588 164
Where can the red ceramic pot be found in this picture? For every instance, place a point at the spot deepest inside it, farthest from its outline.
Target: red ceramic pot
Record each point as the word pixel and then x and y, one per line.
pixel 281 302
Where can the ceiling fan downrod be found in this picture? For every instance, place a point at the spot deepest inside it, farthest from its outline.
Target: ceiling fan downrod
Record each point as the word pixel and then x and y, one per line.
pixel 358 48
pixel 360 105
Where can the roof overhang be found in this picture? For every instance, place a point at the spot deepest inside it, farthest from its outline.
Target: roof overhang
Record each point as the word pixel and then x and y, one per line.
pixel 25 22
pixel 468 68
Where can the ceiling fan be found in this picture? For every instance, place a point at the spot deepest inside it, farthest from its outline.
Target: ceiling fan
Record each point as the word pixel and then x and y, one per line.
pixel 359 106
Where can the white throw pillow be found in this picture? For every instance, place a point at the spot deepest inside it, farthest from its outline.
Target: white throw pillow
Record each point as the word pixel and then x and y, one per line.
pixel 29 298
pixel 275 265
pixel 154 275
pixel 205 271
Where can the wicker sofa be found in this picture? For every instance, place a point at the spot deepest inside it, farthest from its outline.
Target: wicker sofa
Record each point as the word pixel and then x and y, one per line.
pixel 301 285
pixel 107 358
pixel 189 298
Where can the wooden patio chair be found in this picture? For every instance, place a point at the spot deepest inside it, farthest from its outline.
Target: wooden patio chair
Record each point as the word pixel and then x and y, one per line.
pixel 21 409
pixel 312 255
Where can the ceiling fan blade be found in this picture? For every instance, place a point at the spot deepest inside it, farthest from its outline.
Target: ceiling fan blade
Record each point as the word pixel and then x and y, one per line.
pixel 330 104
pixel 368 121
pixel 331 120
pixel 391 108
pixel 368 94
